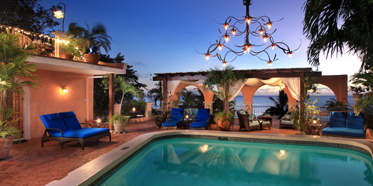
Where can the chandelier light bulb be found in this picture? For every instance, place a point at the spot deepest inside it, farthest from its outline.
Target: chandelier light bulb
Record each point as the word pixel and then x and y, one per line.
pixel 224 63
pixel 269 25
pixel 289 54
pixel 226 37
pixel 265 38
pixel 220 46
pixel 226 26
pixel 261 31
pixel 273 46
pixel 207 56
pixel 233 31
pixel 269 63
pixel 248 20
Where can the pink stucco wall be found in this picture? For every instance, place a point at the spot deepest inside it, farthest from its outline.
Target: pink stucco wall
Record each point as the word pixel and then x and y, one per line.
pixel 49 97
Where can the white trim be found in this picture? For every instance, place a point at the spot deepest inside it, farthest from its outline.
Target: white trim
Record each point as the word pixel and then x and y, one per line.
pixel 63 65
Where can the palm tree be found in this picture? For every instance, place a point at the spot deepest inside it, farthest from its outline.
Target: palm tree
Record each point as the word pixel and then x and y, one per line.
pixel 125 88
pixel 333 104
pixel 189 98
pixel 331 25
pixel 96 37
pixel 223 79
pixel 281 105
pixel 155 94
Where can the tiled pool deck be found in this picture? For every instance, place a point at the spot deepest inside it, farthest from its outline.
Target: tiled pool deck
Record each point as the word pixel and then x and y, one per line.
pixel 29 164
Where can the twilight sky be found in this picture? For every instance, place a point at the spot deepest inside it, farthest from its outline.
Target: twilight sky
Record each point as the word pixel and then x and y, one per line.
pixel 159 36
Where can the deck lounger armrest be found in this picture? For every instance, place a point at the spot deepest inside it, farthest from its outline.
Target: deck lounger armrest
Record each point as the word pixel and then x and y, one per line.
pixel 45 132
pixel 365 131
pixel 87 124
pixel 326 124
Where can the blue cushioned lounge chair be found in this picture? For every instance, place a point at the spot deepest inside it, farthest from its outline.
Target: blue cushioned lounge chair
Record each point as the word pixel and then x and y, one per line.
pixel 202 121
pixel 65 127
pixel 345 125
pixel 175 119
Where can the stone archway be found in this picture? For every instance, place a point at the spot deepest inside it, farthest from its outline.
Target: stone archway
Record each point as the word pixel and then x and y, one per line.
pixel 338 85
pixel 208 95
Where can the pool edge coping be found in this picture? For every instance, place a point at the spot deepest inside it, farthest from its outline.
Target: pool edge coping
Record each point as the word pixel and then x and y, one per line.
pixel 97 167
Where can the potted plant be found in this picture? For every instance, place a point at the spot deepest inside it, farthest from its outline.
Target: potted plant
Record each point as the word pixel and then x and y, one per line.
pixel 74 49
pixel 95 39
pixel 363 78
pixel 12 64
pixel 357 89
pixel 119 122
pixel 224 80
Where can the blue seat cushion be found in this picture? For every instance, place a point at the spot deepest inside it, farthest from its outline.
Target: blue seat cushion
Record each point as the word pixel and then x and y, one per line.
pixel 53 121
pixel 171 123
pixel 343 131
pixel 70 120
pixel 203 115
pixel 82 133
pixel 337 119
pixel 176 114
pixel 198 124
pixel 355 122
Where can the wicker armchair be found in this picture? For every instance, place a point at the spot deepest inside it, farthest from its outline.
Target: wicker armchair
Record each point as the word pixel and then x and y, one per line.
pixel 286 121
pixel 249 123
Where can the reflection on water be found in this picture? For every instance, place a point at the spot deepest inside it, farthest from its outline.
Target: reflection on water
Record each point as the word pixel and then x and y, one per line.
pixel 204 162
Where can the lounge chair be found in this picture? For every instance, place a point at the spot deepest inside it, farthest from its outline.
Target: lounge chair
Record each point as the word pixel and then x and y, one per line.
pixel 248 121
pixel 175 119
pixel 286 121
pixel 345 125
pixel 65 127
pixel 202 121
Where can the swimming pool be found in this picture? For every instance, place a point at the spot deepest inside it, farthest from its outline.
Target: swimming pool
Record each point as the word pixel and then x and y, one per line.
pixel 179 158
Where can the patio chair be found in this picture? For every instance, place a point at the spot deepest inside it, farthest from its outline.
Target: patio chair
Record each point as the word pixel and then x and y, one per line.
pixel 65 127
pixel 286 121
pixel 248 121
pixel 202 121
pixel 175 119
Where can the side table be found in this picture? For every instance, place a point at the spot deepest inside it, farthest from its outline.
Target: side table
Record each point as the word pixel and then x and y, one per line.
pixel 187 122
pixel 316 128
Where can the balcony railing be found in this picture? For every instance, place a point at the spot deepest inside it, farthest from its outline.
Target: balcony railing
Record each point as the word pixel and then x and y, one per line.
pixel 43 43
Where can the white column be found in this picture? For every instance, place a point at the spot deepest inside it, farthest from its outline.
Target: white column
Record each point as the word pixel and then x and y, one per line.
pixel 148 110
pixel 248 106
pixel 208 105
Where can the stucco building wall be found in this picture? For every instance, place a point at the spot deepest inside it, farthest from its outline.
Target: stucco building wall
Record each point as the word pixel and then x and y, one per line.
pixel 49 98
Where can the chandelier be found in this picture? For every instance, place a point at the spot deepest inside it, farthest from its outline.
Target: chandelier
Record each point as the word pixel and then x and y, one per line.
pixel 262 27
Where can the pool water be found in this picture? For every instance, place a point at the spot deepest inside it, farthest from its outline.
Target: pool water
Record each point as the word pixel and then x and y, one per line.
pixel 190 162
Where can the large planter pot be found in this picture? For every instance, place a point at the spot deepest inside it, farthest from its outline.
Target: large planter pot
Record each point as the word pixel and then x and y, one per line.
pixel 119 127
pixel 356 97
pixel 5 145
pixel 67 56
pixel 222 124
pixel 92 58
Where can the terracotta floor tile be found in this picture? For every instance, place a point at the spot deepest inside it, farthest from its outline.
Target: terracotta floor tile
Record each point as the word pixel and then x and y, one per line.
pixel 39 166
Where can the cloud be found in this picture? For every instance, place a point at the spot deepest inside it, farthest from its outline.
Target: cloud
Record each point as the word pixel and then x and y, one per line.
pixel 139 63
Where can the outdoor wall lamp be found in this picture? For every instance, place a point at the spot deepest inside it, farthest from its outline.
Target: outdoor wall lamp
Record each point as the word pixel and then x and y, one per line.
pixel 59 14
pixel 64 90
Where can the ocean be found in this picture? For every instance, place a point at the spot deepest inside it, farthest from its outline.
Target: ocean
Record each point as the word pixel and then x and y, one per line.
pixel 265 101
